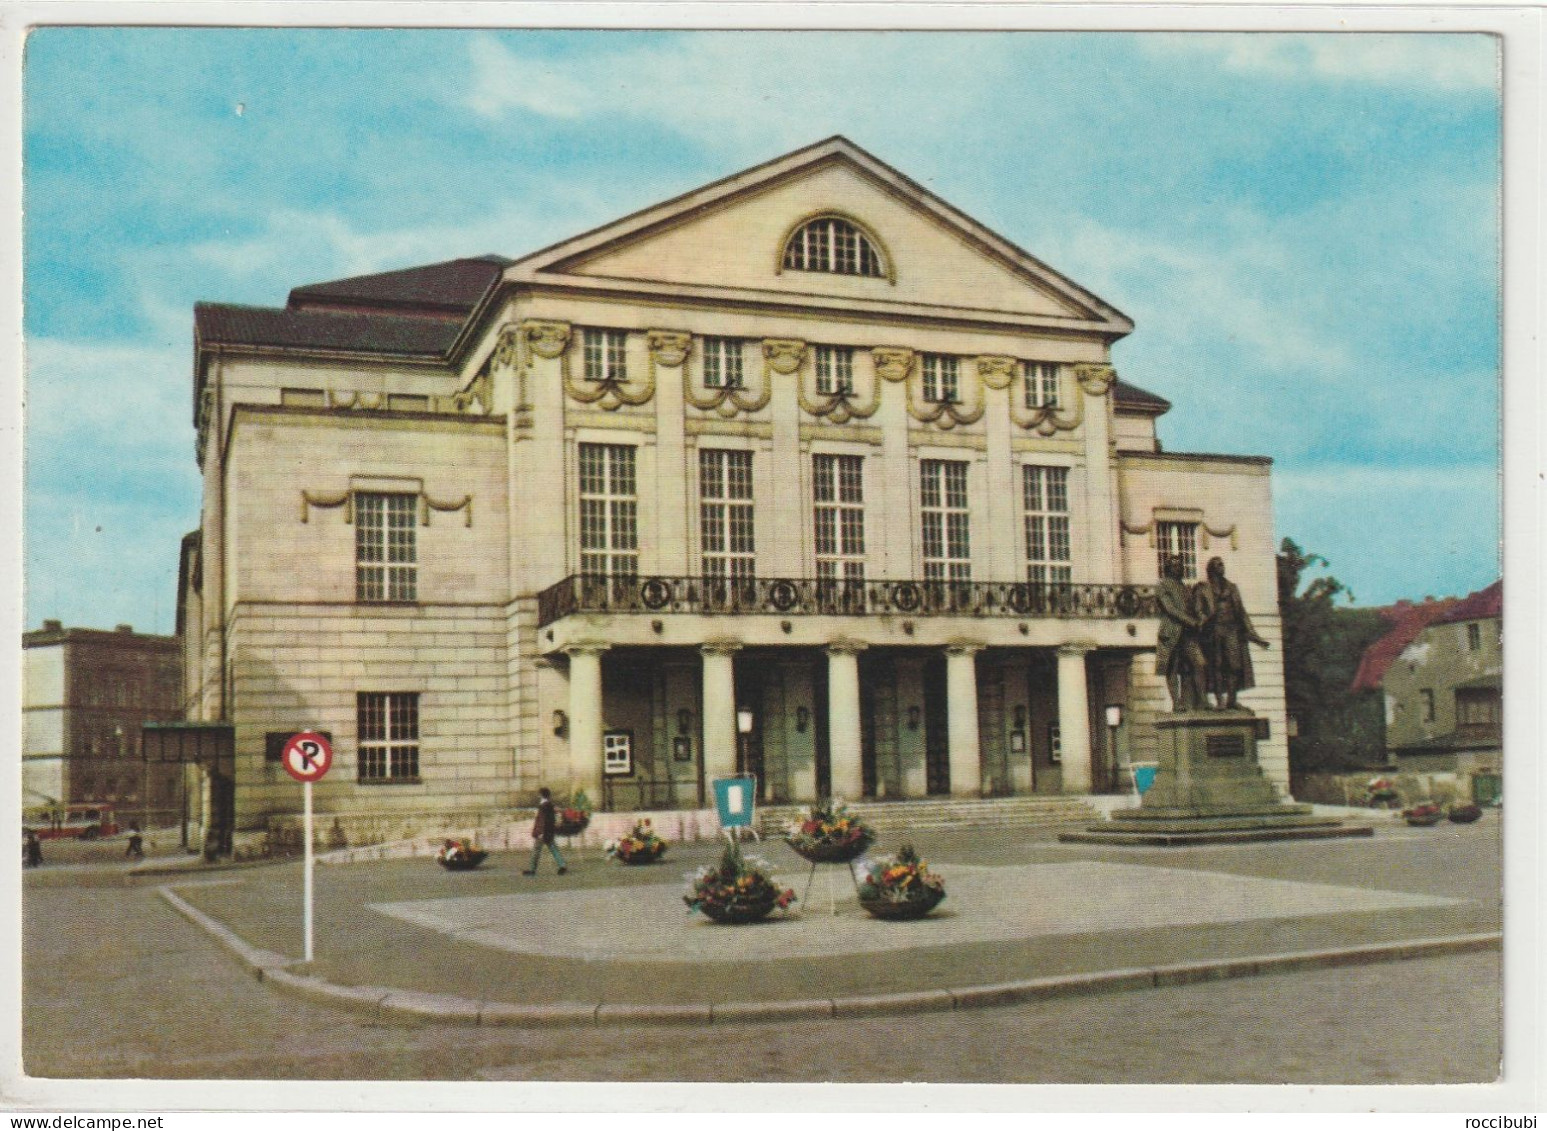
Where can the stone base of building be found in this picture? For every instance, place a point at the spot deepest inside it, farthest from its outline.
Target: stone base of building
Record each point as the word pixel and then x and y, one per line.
pixel 1209 789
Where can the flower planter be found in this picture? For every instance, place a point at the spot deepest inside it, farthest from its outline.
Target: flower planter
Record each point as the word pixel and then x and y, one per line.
pixel 571 828
pixel 914 907
pixel 1423 816
pixel 641 855
pixel 1464 814
pixel 740 910
pixel 463 862
pixel 828 851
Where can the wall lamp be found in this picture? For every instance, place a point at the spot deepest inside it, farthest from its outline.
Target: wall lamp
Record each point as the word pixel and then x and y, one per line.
pixel 913 718
pixel 1114 715
pixel 744 720
pixel 802 719
pixel 560 723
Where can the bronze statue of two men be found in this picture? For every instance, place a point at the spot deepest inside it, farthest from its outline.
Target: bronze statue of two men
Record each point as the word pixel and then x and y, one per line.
pixel 1204 631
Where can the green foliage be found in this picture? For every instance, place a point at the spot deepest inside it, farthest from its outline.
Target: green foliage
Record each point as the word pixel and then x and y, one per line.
pixel 1323 643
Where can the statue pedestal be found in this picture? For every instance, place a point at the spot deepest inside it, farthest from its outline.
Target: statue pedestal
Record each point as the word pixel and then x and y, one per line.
pixel 1210 789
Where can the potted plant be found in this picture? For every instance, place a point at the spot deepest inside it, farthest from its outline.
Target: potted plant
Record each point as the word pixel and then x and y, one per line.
pixel 829 834
pixel 641 846
pixel 460 856
pixel 1465 812
pixel 573 818
pixel 737 890
pixel 901 888
pixel 1380 792
pixel 1424 813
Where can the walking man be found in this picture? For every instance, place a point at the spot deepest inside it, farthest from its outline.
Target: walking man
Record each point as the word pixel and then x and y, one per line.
pixel 542 832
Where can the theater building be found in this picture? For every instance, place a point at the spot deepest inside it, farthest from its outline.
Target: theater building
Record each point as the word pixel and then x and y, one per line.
pixel 804 473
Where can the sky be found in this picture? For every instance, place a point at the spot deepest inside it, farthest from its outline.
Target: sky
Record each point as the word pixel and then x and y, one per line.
pixel 1304 229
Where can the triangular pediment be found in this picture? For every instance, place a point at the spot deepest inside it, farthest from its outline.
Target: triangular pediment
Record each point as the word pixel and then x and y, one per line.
pixel 729 238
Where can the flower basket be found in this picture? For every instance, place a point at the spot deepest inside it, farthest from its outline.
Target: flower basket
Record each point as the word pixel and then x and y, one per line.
pixel 901 888
pixel 572 819
pixel 1424 815
pixel 829 834
pixel 1464 814
pixel 641 846
pixel 460 856
pixel 912 907
pixel 737 890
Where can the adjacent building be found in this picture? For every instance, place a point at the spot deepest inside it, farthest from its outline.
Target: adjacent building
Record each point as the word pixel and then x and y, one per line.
pixel 804 473
pixel 85 695
pixel 1440 670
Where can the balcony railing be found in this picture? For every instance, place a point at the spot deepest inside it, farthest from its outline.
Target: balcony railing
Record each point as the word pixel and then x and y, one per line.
pixel 793 596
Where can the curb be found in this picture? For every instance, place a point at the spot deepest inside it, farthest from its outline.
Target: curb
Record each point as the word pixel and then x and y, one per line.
pixel 388 1003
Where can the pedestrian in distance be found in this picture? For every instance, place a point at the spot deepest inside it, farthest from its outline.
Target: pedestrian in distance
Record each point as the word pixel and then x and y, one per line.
pixel 136 846
pixel 542 833
pixel 32 849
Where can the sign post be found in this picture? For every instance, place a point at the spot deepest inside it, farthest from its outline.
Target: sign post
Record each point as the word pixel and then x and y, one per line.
pixel 306 758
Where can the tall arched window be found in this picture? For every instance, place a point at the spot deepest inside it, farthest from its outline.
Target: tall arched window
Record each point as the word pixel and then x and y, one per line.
pixel 830 243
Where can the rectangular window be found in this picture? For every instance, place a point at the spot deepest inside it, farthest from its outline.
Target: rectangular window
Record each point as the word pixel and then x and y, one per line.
pixel 1426 698
pixel 1041 384
pixel 1049 553
pixel 725 513
pixel 941 379
pixel 1477 709
pixel 386 566
pixel 943 510
pixel 609 526
pixel 604 354
pixel 388 736
pixel 722 363
pixel 1474 637
pixel 1178 539
pixel 834 370
pixel 838 490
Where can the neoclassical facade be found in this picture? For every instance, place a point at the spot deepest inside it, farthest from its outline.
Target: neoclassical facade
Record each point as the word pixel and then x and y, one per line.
pixel 805 474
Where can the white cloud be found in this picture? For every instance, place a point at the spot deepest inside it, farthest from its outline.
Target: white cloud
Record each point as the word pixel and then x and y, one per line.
pixel 1437 61
pixel 751 92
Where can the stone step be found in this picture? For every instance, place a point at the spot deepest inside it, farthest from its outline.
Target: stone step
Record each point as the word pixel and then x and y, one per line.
pixel 944 813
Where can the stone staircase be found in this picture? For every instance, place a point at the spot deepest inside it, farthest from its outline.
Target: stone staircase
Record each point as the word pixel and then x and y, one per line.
pixel 916 814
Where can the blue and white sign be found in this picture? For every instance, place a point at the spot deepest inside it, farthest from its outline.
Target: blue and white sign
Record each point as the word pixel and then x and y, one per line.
pixel 734 798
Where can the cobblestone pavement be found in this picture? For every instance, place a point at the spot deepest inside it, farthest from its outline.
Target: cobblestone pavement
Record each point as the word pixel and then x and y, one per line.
pixel 117 985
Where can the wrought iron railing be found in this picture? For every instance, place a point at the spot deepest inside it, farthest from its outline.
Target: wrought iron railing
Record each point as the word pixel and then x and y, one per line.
pixel 795 596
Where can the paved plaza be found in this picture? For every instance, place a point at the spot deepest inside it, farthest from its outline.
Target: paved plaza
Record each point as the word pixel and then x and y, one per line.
pixel 103 942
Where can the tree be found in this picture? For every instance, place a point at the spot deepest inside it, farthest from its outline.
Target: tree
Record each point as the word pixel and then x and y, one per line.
pixel 1338 728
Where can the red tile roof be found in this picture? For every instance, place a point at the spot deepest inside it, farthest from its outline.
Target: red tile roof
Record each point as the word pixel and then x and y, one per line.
pixel 1485 604
pixel 1407 621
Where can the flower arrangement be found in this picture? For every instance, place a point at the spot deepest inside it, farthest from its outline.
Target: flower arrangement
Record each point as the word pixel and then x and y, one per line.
pixel 641 846
pixel 1380 791
pixel 460 856
pixel 829 834
pixel 737 890
pixel 900 888
pixel 1465 812
pixel 574 817
pixel 1424 813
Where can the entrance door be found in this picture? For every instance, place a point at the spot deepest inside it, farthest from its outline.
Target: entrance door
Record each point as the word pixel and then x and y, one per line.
pixel 820 733
pixel 937 753
pixel 867 734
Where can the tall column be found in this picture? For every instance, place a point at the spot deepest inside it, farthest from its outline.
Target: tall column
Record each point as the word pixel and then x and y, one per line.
pixel 961 711
pixel 1074 717
pixel 585 716
pixel 1100 511
pixel 843 731
pixel 719 708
